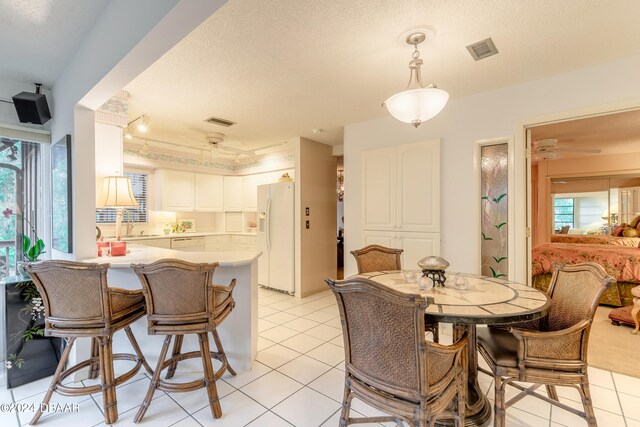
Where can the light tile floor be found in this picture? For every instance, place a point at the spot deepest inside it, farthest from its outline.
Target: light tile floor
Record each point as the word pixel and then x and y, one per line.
pixel 298 380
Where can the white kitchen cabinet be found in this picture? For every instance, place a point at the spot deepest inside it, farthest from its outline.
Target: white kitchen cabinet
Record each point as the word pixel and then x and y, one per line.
pixel 156 243
pixel 417 246
pixel 209 193
pixel 382 238
pixel 418 187
pixel 250 191
pixel 233 188
pixel 379 189
pixel 175 190
pixel 218 243
pixel 243 243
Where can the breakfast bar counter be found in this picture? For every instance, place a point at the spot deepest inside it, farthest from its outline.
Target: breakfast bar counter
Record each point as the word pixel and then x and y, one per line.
pixel 239 333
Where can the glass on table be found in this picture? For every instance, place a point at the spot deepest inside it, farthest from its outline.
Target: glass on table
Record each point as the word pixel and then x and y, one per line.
pixel 425 283
pixel 461 283
pixel 409 276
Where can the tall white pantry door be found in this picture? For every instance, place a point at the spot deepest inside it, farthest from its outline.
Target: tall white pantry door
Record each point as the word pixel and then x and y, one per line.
pixel 401 199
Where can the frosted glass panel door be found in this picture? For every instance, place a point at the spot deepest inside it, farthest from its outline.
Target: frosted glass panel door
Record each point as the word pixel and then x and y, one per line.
pixel 494 162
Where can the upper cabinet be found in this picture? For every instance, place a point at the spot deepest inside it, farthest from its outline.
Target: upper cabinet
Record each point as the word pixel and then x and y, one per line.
pixel 379 189
pixel 250 192
pixel 233 188
pixel 209 193
pixel 176 190
pixel 418 187
pixel 401 188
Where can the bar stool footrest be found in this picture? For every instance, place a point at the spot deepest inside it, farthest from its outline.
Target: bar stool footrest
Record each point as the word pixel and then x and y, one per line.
pixel 82 391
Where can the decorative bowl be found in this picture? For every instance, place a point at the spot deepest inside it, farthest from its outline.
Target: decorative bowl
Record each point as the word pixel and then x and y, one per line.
pixel 433 263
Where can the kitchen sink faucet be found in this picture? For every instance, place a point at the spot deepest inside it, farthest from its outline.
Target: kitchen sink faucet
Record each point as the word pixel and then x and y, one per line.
pixel 129 223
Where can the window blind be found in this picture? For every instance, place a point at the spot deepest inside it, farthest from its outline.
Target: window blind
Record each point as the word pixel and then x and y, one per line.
pixel 140 187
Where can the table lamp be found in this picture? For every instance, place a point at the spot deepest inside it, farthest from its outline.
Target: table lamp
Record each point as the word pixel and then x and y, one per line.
pixel 117 193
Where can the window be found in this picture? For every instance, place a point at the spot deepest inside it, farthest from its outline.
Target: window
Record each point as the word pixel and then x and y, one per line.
pixel 563 212
pixel 20 171
pixel 140 186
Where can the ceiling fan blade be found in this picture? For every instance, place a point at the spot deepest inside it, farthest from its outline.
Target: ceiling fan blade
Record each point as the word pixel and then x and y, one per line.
pixel 235 150
pixel 579 150
pixel 268 146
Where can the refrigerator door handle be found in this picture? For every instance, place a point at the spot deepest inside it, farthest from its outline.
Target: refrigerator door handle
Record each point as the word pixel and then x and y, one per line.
pixel 268 224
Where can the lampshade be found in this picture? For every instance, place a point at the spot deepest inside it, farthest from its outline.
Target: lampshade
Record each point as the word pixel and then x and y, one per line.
pixel 117 193
pixel 417 105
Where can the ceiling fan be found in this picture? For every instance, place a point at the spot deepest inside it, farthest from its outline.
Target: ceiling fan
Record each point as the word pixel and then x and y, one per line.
pixel 215 141
pixel 550 149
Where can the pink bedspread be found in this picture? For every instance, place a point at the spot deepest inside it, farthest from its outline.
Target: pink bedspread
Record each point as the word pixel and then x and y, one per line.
pixel 621 262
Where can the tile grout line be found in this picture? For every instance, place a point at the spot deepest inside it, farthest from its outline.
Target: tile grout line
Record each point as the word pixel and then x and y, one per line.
pixel 615 387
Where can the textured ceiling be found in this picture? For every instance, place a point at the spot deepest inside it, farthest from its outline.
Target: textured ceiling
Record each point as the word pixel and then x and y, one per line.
pixel 281 68
pixel 39 36
pixel 612 134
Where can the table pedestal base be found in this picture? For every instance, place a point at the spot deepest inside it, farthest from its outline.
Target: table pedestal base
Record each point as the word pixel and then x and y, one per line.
pixel 478 412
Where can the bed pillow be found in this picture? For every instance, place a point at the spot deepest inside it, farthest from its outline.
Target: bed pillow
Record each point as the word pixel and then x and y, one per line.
pixel 634 222
pixel 617 231
pixel 630 232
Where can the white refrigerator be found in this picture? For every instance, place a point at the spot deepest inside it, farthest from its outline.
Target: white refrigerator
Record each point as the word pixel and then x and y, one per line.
pixel 276 236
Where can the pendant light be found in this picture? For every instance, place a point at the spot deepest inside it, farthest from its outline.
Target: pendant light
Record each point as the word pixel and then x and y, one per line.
pixel 420 103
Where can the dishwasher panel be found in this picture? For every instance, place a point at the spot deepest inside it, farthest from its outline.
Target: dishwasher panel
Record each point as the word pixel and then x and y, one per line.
pixel 188 244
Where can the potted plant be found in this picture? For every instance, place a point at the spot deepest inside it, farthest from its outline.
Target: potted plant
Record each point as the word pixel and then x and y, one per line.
pixel 31 249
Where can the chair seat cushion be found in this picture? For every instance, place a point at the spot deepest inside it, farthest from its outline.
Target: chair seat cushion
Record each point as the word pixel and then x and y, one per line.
pixel 125 301
pixel 500 345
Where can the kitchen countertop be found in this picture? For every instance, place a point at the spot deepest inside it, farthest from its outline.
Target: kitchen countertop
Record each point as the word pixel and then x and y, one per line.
pixel 171 236
pixel 140 254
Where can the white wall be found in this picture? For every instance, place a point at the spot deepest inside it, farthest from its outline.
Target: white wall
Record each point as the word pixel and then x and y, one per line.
pixel 482 116
pixel 126 39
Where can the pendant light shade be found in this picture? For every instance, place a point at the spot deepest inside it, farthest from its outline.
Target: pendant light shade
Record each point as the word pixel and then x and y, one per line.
pixel 420 103
pixel 417 105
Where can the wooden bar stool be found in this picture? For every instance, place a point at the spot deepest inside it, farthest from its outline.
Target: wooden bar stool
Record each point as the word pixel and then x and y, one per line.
pixel 181 299
pixel 79 303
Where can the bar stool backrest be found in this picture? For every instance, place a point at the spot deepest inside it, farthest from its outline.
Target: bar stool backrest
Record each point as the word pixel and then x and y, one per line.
pixel 73 293
pixel 176 292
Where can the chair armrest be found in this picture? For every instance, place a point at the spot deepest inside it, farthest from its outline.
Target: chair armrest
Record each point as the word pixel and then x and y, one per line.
pixel 564 344
pixel 443 361
pixel 220 296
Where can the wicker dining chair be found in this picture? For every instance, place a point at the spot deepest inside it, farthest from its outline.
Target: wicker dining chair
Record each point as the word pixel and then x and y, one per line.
pixel 389 364
pixel 380 258
pixel 79 303
pixel 555 352
pixel 181 299
pixel 377 258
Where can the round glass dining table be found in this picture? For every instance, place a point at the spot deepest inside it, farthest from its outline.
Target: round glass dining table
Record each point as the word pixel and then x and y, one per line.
pixel 486 301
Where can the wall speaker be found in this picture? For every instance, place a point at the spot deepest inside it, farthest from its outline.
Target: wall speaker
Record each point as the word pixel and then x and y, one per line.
pixel 32 107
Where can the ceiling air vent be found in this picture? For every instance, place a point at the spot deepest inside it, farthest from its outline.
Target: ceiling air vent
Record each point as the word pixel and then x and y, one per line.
pixel 221 122
pixel 482 49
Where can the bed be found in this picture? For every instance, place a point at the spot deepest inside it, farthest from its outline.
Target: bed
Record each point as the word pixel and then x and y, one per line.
pixel 594 239
pixel 622 262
